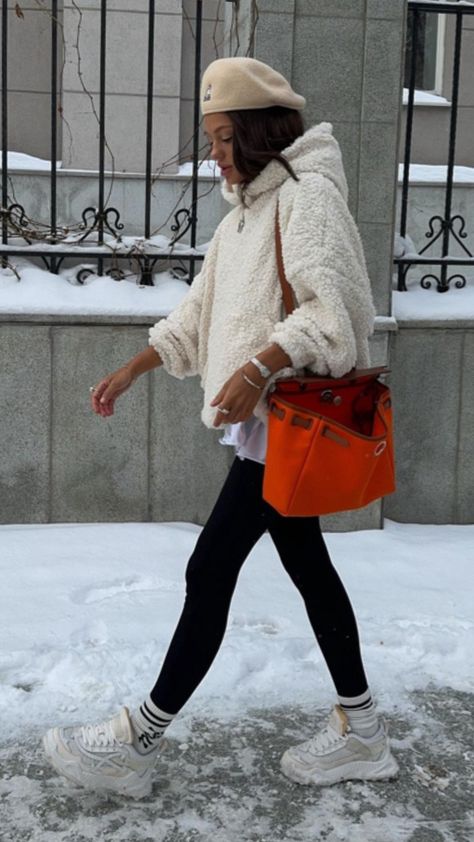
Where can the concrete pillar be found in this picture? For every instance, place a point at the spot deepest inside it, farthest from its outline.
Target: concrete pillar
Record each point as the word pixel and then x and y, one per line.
pixel 345 57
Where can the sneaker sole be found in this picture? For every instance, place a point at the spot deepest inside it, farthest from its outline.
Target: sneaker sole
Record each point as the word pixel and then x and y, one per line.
pixel 90 781
pixel 383 769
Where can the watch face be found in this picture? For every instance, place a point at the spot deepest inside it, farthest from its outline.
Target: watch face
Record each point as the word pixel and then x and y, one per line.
pixel 264 371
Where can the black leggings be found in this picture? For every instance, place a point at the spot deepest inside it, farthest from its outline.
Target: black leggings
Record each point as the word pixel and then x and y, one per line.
pixel 239 518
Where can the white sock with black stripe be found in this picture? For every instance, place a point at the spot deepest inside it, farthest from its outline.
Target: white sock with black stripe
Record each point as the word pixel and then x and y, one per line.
pixel 149 724
pixel 360 711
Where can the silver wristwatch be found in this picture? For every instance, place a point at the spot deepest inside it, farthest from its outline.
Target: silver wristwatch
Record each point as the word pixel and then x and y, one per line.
pixel 263 369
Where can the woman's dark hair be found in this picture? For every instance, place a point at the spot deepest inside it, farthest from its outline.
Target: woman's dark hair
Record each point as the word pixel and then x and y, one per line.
pixel 260 135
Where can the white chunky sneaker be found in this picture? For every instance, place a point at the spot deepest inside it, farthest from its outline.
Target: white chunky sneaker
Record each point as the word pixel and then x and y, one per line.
pixel 338 754
pixel 102 757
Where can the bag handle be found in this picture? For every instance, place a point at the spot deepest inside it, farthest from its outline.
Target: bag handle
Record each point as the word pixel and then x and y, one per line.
pixel 351 377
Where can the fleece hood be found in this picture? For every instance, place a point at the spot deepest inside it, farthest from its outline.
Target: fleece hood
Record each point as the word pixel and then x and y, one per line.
pixel 316 151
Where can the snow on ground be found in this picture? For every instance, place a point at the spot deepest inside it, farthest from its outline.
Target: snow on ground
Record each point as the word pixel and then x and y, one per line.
pixel 88 611
pixel 222 783
pixel 86 615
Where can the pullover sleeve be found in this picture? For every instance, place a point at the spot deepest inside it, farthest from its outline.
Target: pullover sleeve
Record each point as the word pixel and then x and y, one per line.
pixel 325 266
pixel 176 338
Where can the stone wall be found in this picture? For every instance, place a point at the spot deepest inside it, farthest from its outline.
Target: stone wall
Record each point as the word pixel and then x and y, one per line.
pixel 433 389
pixel 153 460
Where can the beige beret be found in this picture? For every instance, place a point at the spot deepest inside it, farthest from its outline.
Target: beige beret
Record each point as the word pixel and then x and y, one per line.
pixel 231 84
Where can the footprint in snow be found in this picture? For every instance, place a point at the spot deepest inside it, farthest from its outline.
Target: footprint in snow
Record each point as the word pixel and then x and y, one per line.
pixel 262 626
pixel 121 587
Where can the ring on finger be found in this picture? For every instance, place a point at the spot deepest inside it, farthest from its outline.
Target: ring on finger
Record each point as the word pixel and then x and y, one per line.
pixel 92 388
pixel 224 410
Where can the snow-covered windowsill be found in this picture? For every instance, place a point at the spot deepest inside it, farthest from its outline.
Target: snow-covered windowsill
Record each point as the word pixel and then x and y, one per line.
pixel 436 174
pixel 426 98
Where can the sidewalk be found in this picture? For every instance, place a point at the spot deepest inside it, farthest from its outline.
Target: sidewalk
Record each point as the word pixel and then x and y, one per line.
pixel 224 785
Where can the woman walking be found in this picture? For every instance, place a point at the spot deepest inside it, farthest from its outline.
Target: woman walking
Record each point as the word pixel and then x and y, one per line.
pixel 231 330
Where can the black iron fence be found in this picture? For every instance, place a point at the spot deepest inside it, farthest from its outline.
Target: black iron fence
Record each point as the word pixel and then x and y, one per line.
pixel 446 228
pixel 98 234
pixel 53 242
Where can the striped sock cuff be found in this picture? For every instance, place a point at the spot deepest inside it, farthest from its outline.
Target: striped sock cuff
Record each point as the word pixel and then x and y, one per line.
pixel 149 723
pixel 154 715
pixel 361 713
pixel 354 703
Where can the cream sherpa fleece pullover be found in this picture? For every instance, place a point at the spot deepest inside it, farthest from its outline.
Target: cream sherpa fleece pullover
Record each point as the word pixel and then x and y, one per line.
pixel 233 308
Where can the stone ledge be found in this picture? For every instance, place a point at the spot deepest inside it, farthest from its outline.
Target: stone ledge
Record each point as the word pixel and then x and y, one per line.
pixel 382 323
pixel 59 319
pixel 435 324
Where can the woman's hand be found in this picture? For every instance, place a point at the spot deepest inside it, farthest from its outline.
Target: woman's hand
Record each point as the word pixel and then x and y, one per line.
pixel 238 396
pixel 109 389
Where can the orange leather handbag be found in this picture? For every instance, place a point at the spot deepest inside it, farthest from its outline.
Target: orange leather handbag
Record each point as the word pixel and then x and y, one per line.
pixel 330 441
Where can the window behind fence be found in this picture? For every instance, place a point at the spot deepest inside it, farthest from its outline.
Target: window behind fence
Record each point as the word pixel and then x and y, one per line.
pixel 428 51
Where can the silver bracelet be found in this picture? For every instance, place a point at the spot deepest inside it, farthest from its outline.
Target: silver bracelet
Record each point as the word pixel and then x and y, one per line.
pixel 250 382
pixel 263 369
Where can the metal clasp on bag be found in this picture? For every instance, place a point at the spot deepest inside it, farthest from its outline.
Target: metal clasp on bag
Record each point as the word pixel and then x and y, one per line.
pixel 328 396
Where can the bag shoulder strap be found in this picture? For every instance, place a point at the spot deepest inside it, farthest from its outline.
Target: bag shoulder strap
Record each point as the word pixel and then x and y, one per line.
pixel 288 299
pixel 289 302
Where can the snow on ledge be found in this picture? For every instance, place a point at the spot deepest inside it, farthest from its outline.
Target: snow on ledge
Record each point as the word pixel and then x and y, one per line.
pixel 418 304
pixel 436 174
pixel 41 292
pixel 467 4
pixel 20 161
pixel 419 173
pixel 426 98
pixel 209 169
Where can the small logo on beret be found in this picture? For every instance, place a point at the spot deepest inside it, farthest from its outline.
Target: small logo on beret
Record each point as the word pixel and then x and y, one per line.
pixel 208 93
